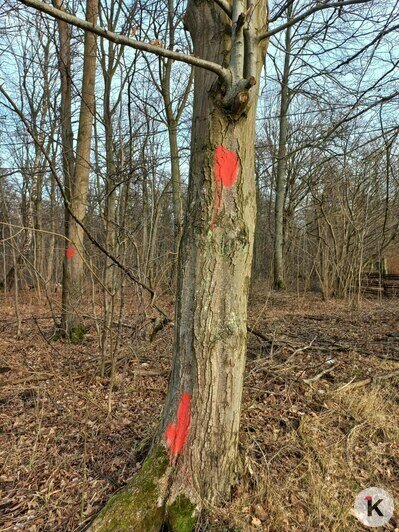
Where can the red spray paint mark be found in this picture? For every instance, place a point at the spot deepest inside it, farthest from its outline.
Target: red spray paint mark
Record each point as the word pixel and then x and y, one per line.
pixel 226 166
pixel 176 433
pixel 70 252
pixel 226 172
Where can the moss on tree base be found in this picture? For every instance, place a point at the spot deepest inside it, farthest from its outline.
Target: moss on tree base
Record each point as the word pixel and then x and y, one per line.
pixel 77 334
pixel 140 507
pixel 279 285
pixel 182 515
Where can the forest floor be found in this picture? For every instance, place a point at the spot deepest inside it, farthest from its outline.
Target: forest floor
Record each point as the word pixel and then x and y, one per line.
pixel 320 415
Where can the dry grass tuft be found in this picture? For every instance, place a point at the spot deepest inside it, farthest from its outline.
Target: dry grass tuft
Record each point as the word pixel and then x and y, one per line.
pixel 306 478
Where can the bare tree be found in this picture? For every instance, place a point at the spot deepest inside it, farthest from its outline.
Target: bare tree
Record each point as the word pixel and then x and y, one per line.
pixel 282 161
pixel 193 459
pixel 76 168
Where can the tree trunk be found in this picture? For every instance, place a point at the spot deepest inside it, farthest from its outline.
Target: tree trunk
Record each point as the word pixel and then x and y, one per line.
pixel 68 156
pixel 193 461
pixel 176 185
pixel 110 218
pixel 74 253
pixel 50 252
pixel 282 165
pixel 172 119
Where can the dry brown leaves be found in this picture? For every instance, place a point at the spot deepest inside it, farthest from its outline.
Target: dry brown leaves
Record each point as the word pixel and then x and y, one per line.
pixel 307 448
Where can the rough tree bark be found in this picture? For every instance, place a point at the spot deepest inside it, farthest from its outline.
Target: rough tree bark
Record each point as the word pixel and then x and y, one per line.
pixel 193 460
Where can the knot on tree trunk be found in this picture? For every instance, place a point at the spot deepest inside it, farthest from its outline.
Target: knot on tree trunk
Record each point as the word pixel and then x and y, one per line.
pixel 237 97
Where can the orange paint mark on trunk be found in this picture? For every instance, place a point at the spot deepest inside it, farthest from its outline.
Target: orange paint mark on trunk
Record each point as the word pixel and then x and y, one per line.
pixel 176 433
pixel 226 167
pixel 70 252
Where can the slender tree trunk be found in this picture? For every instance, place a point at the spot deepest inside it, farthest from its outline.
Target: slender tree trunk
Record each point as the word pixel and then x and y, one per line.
pixel 145 242
pixel 193 461
pixel 68 156
pixel 172 118
pixel 282 165
pixel 39 224
pixel 50 253
pixel 176 185
pixel 150 262
pixel 5 218
pixel 73 285
pixel 110 227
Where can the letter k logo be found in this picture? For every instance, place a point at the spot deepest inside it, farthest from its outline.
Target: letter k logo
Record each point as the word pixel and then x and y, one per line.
pixel 373 507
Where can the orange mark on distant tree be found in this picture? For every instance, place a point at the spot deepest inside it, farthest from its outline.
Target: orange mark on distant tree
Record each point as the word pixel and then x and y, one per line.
pixel 176 433
pixel 226 167
pixel 70 252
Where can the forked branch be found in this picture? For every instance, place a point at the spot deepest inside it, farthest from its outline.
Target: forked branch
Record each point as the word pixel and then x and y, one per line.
pixel 318 7
pixel 224 4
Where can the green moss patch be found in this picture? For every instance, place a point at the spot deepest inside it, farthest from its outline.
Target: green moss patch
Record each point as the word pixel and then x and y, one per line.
pixel 135 508
pixel 77 334
pixel 182 515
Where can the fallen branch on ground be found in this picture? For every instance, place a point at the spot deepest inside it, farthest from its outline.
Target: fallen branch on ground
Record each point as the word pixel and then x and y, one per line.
pixel 371 380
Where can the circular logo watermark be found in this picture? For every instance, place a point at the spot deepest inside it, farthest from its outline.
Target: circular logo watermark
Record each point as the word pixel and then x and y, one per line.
pixel 374 507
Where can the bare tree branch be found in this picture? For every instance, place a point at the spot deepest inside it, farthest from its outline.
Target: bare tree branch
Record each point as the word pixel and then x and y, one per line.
pixel 281 11
pixel 127 41
pixel 318 7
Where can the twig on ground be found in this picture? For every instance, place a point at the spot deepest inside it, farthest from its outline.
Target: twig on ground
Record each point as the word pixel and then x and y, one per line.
pixel 319 375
